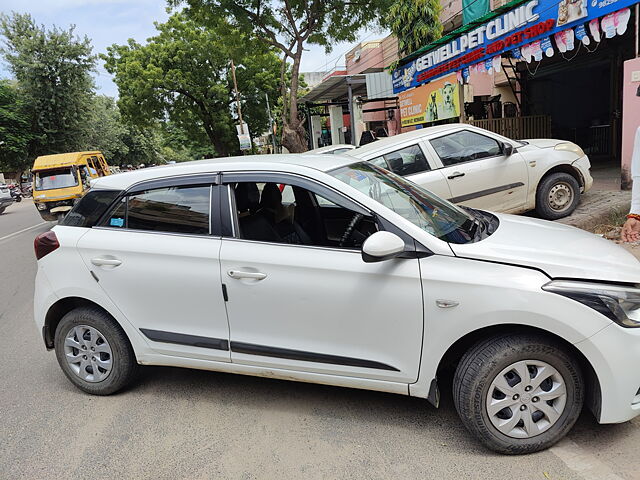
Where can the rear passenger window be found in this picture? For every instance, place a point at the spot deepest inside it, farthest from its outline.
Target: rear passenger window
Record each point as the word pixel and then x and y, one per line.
pixel 406 161
pixel 172 210
pixel 88 210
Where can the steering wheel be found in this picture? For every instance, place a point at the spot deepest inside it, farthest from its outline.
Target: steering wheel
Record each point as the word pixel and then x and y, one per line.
pixel 346 236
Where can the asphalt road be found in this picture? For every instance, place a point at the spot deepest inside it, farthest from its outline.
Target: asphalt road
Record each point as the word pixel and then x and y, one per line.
pixel 176 423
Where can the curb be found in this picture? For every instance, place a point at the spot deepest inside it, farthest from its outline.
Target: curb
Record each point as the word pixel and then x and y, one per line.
pixel 597 207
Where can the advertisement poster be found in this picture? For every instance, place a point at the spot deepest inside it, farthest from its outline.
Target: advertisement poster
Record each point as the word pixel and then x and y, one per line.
pixel 526 23
pixel 438 100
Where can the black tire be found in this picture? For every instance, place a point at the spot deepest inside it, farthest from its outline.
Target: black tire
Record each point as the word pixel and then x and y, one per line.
pixel 124 365
pixel 544 206
pixel 18 199
pixel 485 361
pixel 2 210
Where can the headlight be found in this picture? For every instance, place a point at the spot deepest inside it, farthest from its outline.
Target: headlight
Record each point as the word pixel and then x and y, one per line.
pixel 41 206
pixel 620 304
pixel 570 147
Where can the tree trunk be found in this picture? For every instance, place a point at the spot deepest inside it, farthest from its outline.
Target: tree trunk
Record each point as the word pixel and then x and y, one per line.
pixel 221 148
pixel 293 134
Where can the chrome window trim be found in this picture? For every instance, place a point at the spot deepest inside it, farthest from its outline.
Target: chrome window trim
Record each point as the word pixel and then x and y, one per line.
pixel 154 232
pixel 279 244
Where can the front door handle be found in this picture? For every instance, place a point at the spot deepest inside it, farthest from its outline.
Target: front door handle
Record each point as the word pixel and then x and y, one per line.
pixel 455 175
pixel 111 262
pixel 243 274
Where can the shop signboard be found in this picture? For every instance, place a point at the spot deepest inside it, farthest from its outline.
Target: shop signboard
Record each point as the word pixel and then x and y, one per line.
pixel 438 100
pixel 526 23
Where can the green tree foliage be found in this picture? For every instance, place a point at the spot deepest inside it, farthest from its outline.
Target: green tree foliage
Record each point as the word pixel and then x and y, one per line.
pixel 15 129
pixel 120 142
pixel 288 26
pixel 183 74
pixel 53 70
pixel 415 23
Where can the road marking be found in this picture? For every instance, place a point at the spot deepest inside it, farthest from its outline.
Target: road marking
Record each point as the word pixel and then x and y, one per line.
pixel 583 462
pixel 21 231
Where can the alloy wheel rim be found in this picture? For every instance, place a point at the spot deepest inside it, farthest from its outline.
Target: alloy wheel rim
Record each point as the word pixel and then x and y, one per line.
pixel 526 399
pixel 560 196
pixel 88 353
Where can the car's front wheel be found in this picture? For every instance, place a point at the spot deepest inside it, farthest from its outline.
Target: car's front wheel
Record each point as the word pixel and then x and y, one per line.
pixel 558 195
pixel 518 394
pixel 94 352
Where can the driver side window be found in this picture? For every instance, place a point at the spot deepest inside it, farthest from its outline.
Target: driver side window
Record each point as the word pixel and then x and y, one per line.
pixel 281 213
pixel 464 146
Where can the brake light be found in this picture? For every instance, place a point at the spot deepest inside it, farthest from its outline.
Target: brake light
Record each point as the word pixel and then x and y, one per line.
pixel 45 243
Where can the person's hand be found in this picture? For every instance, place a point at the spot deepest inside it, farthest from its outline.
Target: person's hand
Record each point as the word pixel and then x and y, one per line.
pixel 631 230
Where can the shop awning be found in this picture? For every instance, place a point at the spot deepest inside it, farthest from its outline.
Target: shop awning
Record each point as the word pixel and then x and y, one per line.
pixel 336 88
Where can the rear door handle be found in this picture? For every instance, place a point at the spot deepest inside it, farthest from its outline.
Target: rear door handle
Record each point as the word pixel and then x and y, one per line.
pixel 100 262
pixel 242 274
pixel 455 175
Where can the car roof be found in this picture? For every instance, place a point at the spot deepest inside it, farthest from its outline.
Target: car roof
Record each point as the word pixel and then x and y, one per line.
pixel 403 137
pixel 331 148
pixel 276 162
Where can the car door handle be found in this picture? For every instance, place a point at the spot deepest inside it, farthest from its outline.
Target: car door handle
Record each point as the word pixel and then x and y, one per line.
pixel 111 262
pixel 455 175
pixel 242 274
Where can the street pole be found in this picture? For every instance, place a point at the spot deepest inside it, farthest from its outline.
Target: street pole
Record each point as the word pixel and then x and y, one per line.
pixel 235 89
pixel 271 132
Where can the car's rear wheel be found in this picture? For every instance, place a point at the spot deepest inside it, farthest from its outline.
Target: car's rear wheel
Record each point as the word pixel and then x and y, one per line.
pixel 94 352
pixel 518 394
pixel 558 195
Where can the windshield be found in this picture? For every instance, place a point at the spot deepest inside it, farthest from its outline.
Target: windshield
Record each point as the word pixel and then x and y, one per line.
pixel 432 214
pixel 58 178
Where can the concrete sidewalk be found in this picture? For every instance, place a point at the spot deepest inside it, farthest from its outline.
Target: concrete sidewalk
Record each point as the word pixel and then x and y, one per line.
pixel 598 207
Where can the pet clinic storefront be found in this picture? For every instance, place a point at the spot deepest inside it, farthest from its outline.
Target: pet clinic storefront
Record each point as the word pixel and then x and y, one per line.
pixel 531 68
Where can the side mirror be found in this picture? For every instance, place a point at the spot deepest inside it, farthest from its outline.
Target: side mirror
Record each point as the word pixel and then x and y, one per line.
pixel 507 149
pixel 382 246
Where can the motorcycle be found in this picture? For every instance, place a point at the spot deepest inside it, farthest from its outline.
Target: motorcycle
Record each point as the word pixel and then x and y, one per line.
pixel 16 193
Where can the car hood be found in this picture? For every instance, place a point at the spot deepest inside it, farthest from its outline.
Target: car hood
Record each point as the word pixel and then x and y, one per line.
pixel 544 142
pixel 558 250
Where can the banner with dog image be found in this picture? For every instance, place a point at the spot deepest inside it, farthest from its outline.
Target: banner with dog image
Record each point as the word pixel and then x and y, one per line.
pixel 438 100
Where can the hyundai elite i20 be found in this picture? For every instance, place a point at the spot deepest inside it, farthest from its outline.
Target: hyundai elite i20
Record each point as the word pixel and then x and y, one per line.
pixel 318 269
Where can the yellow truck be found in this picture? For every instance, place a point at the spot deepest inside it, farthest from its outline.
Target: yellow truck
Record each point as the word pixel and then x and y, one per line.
pixel 60 179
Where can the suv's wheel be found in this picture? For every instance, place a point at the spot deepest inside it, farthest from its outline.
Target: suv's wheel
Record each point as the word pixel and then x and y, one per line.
pixel 558 195
pixel 519 393
pixel 94 352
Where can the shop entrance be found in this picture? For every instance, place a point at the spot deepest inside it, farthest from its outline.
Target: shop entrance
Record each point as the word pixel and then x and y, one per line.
pixel 582 103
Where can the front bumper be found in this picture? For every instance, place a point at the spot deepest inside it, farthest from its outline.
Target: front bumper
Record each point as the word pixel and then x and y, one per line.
pixel 614 354
pixel 584 166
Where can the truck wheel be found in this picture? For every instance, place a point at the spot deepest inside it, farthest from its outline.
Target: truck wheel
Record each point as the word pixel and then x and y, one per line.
pixel 558 195
pixel 518 393
pixel 94 352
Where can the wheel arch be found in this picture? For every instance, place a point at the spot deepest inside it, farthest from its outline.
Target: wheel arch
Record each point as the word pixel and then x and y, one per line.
pixel 563 168
pixel 451 358
pixel 59 309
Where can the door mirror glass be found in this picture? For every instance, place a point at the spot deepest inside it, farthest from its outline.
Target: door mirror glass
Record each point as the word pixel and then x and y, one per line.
pixel 382 246
pixel 507 149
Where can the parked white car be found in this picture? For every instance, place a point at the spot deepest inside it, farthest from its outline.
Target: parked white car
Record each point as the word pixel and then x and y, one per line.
pixel 363 280
pixel 333 149
pixel 5 198
pixel 474 167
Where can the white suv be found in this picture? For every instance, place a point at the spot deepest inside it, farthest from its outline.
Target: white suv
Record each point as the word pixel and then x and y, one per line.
pixel 362 279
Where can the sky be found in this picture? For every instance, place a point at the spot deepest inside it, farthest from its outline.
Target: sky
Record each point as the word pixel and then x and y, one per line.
pixel 106 22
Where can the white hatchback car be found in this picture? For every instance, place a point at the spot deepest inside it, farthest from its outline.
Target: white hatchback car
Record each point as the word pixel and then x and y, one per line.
pixel 362 280
pixel 481 169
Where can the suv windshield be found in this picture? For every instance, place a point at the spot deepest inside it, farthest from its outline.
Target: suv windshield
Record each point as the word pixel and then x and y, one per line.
pixel 432 214
pixel 57 178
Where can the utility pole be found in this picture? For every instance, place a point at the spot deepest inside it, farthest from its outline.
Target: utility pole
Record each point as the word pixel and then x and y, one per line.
pixel 235 89
pixel 271 132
